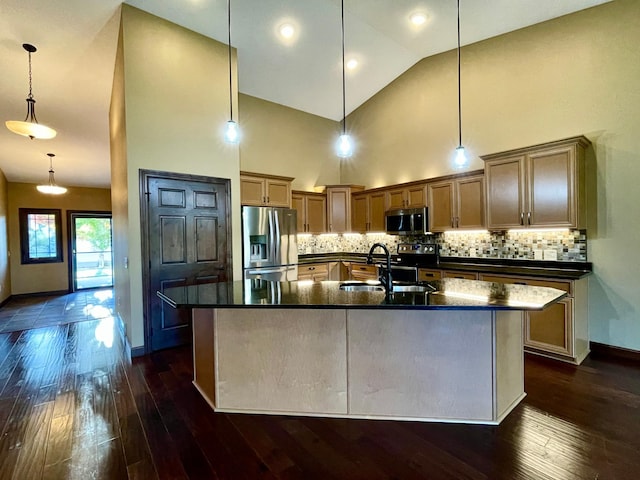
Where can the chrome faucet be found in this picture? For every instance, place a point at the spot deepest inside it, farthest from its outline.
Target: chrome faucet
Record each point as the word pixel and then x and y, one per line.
pixel 385 274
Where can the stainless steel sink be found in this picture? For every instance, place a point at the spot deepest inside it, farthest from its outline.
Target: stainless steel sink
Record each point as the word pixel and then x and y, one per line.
pixel 413 288
pixel 361 287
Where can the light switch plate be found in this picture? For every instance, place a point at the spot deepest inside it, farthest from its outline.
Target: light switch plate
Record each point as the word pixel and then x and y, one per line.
pixel 538 254
pixel 550 254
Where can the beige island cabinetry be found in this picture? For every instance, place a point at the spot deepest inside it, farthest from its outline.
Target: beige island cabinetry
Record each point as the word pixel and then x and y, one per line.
pixel 453 354
pixel 456 366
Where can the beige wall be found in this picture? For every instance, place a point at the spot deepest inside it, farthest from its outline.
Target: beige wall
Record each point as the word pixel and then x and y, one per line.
pixel 577 74
pixel 119 192
pixel 5 271
pixel 282 141
pixel 176 105
pixel 48 277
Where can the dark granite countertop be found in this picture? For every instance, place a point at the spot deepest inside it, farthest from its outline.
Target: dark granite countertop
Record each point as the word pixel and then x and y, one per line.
pixel 450 293
pixel 504 266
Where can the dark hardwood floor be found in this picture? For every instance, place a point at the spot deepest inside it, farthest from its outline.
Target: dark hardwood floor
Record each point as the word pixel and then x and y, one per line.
pixel 72 407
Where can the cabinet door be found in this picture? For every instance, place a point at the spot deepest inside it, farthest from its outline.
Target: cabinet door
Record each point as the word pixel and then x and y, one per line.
pixel 396 198
pixel 551 188
pixel 278 193
pixel 298 204
pixel 416 196
pixel 470 203
pixel 252 191
pixel 359 213
pixel 377 202
pixel 441 206
pixel 505 193
pixel 316 210
pixel 339 210
pixel 551 329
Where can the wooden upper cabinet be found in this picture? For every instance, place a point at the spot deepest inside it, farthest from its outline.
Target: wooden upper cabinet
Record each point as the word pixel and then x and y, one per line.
pixel 413 196
pixel 312 211
pixel 541 186
pixel 441 198
pixel 505 179
pixel 268 190
pixel 457 204
pixel 367 212
pixel 339 207
pixel 470 203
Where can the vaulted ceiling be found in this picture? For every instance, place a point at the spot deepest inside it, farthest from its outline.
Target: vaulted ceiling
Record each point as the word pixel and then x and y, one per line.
pixel 76 41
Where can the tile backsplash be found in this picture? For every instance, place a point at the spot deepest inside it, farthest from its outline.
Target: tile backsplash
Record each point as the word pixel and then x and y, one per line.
pixel 562 245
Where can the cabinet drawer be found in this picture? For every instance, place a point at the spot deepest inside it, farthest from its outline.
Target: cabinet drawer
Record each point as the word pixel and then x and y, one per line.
pixel 425 275
pixel 456 274
pixel 313 269
pixel 565 285
pixel 363 271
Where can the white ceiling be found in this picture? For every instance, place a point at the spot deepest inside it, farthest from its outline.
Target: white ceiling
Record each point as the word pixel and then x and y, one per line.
pixel 76 41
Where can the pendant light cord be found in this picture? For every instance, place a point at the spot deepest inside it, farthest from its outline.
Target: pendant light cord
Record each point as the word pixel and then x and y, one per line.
pixel 459 90
pixel 30 81
pixel 229 45
pixel 344 116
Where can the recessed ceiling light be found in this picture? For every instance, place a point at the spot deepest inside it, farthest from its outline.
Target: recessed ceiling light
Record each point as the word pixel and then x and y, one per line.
pixel 287 30
pixel 418 18
pixel 352 63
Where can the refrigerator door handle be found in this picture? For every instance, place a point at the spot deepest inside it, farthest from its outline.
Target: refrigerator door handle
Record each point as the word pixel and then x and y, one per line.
pixel 277 244
pixel 268 270
pixel 272 240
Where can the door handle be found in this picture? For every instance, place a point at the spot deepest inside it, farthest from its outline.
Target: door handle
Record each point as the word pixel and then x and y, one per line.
pixel 521 218
pixel 529 218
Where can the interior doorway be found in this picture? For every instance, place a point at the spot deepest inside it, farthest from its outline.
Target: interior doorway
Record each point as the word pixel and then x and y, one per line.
pixel 91 256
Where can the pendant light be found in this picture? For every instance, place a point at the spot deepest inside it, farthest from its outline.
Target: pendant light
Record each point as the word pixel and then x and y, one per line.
pixel 51 188
pixel 30 126
pixel 461 160
pixel 345 145
pixel 232 134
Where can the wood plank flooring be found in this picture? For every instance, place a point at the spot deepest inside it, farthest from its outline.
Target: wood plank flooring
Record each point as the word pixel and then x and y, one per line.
pixel 71 407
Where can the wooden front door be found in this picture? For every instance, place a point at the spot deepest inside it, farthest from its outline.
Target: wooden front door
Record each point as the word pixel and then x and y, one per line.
pixel 188 242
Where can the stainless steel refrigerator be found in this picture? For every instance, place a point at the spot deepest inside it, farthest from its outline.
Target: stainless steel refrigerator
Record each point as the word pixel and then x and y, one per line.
pixel 269 243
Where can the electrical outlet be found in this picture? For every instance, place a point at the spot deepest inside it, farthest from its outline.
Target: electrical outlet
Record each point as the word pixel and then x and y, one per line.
pixel 550 254
pixel 538 254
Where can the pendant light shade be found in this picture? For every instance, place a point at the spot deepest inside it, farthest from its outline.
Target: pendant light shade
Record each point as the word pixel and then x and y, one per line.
pixel 344 147
pixel 232 132
pixel 30 126
pixel 461 160
pixel 51 188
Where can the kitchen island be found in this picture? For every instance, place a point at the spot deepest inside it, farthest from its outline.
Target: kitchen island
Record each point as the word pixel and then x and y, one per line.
pixel 312 348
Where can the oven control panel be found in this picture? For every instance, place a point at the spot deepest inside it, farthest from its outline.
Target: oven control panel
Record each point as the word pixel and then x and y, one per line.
pixel 417 248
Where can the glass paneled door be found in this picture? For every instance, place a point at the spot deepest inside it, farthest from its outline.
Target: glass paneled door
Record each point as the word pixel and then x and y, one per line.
pixel 91 254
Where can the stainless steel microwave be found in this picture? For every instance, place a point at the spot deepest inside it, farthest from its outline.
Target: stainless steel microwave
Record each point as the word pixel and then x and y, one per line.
pixel 407 221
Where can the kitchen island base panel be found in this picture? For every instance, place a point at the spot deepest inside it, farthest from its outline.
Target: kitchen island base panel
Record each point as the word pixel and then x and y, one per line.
pixel 288 360
pixel 436 365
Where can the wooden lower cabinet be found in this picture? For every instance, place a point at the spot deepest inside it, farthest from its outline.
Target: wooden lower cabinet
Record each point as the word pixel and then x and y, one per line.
pixel 459 274
pixel 561 330
pixel 427 274
pixel 316 272
pixel 363 271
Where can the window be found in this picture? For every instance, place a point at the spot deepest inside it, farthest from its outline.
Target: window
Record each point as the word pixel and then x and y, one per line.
pixel 40 235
